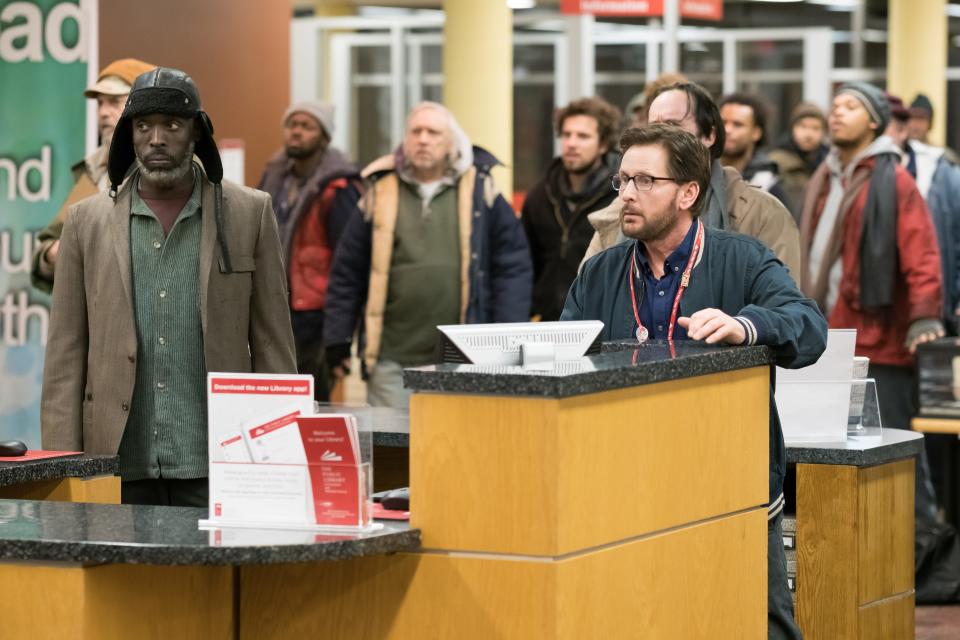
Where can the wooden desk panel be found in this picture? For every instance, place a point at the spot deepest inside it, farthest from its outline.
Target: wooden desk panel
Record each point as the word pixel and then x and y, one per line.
pixel 703 581
pixel 100 489
pixel 546 476
pixel 116 602
pixel 855 565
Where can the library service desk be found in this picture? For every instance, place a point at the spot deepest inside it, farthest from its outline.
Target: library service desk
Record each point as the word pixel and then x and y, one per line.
pixel 621 497
pixel 78 478
pixel 855 534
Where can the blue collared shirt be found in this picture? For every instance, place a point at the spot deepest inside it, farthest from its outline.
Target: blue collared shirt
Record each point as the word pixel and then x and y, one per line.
pixel 656 299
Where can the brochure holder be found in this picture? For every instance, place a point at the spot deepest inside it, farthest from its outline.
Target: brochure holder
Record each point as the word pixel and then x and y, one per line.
pixel 864 419
pixel 275 464
pixel 814 402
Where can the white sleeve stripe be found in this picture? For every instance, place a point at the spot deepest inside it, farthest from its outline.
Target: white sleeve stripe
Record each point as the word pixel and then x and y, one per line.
pixel 775 507
pixel 749 328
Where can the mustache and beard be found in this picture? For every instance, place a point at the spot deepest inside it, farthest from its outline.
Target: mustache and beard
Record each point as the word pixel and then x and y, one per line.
pixel 164 178
pixel 655 226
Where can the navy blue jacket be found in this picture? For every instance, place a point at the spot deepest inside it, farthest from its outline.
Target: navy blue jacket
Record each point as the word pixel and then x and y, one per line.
pixel 943 200
pixel 500 269
pixel 735 274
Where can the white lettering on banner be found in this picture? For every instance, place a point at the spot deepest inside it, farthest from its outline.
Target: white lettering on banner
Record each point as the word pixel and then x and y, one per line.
pixel 17 177
pixel 29 243
pixel 15 315
pixel 23 33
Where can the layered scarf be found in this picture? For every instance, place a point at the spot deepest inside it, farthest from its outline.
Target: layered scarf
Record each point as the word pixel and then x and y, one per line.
pixel 878 238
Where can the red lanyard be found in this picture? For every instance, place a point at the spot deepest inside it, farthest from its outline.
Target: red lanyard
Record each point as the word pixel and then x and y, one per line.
pixel 642 332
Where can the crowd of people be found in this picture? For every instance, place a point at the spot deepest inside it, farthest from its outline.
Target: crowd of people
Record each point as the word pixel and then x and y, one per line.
pixel 848 219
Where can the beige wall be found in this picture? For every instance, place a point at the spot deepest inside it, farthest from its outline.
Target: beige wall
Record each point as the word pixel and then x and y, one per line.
pixel 238 52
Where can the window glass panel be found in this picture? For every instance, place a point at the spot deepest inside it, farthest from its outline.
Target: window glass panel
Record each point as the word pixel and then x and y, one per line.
pixel 780 98
pixel 532 134
pixel 533 107
pixel 532 58
pixel 371 59
pixel 760 55
pixel 702 62
pixel 621 57
pixel 371 123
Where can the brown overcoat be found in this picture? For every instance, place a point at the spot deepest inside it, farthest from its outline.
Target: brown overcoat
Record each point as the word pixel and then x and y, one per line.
pixel 89 374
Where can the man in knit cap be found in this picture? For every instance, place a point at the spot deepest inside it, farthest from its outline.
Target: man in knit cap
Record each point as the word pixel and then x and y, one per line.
pixel 870 256
pixel 315 189
pixel 170 275
pixel 921 118
pixel 90 174
pixel 800 151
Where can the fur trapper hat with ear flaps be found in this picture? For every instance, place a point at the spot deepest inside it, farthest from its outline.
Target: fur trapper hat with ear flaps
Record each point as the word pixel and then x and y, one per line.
pixel 172 92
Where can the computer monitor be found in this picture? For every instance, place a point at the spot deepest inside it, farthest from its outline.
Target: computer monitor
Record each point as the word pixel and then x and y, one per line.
pixel 500 343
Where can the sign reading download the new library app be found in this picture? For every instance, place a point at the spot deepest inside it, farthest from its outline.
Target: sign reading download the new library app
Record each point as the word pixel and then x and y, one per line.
pixel 45 48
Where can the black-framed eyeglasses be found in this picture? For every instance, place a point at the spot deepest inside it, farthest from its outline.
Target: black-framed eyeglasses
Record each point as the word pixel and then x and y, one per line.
pixel 641 182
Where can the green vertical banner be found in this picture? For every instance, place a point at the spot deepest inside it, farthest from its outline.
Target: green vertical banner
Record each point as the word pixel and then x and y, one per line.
pixel 45 49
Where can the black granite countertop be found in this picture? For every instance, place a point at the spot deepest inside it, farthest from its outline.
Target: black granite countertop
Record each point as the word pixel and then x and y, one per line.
pixel 78 466
pixel 133 534
pixel 859 451
pixel 622 364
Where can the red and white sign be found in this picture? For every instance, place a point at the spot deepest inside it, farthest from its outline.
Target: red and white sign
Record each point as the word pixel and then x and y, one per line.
pixel 697 9
pixel 336 475
pixel 330 438
pixel 282 386
pixel 702 9
pixel 273 463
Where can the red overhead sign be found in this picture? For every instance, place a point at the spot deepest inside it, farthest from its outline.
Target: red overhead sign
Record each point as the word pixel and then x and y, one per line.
pixel 697 9
pixel 702 9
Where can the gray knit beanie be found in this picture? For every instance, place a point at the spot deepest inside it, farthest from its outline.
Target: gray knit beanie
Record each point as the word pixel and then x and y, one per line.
pixel 873 101
pixel 322 112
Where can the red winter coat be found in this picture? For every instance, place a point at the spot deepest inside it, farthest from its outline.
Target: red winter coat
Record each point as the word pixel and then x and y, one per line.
pixel 324 206
pixel 917 291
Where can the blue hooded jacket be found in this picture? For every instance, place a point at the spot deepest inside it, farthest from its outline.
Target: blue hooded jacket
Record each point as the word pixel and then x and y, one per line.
pixel 735 274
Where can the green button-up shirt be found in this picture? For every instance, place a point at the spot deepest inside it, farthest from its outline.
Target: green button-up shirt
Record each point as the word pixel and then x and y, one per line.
pixel 166 434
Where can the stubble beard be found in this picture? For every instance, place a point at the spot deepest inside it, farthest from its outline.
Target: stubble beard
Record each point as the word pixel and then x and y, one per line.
pixel 106 135
pixel 300 153
pixel 582 168
pixel 735 154
pixel 167 178
pixel 656 227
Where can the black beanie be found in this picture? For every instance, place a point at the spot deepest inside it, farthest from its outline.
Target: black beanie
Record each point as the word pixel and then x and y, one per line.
pixel 922 106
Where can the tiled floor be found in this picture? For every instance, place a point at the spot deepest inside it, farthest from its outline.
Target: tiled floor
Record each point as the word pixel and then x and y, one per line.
pixel 938 623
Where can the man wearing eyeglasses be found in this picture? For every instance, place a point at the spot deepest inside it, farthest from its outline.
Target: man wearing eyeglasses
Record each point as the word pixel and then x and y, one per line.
pixel 679 279
pixel 729 202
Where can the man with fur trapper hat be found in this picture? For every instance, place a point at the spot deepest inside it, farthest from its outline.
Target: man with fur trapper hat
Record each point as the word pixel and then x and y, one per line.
pixel 170 275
